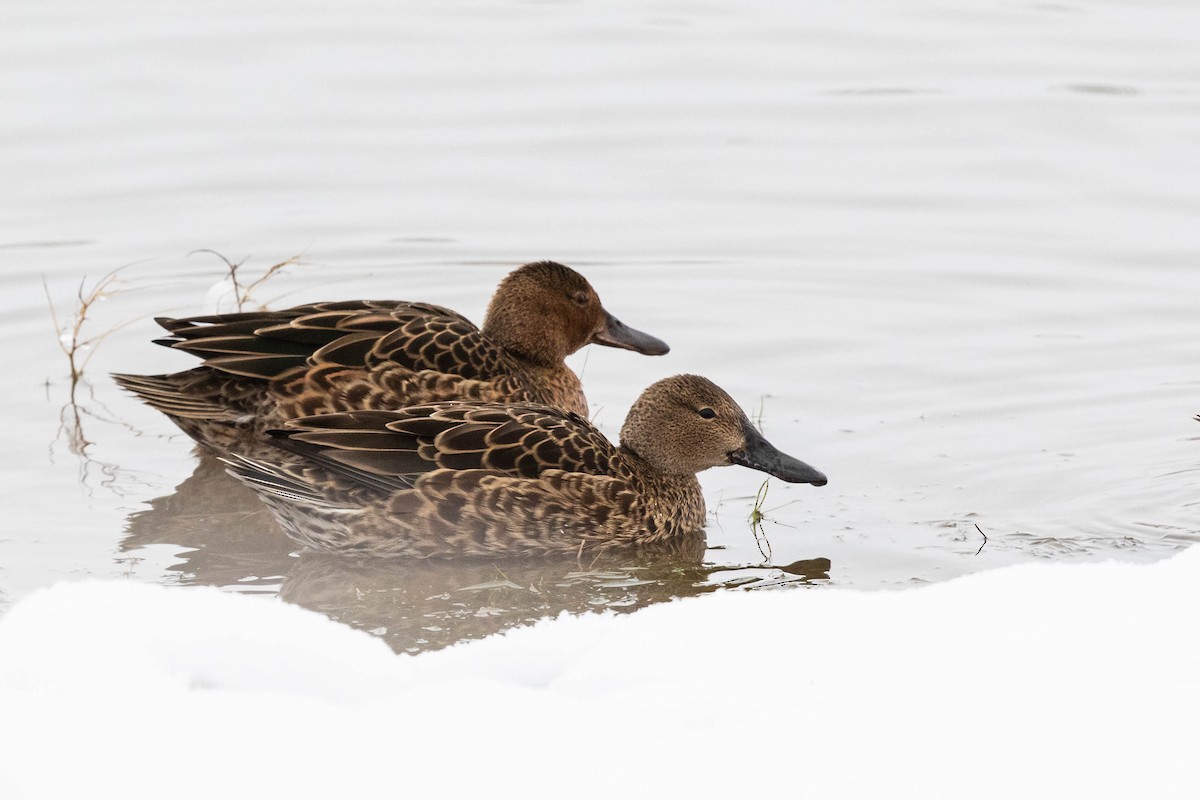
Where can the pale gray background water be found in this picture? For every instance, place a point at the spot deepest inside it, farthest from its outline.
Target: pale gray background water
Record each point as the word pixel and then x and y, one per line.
pixel 951 250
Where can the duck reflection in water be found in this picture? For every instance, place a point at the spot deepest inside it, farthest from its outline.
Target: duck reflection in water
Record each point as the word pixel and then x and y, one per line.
pixel 228 538
pixel 427 604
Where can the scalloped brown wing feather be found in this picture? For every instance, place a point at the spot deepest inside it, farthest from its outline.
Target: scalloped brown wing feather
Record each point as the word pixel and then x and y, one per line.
pixel 330 357
pixel 407 443
pixel 344 333
pixel 326 357
pixel 439 489
pixel 332 388
pixel 450 479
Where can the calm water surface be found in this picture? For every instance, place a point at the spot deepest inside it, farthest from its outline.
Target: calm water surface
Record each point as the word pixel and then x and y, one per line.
pixel 947 253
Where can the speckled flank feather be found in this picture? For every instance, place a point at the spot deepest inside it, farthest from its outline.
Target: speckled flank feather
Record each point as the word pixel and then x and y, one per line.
pixel 467 478
pixel 263 368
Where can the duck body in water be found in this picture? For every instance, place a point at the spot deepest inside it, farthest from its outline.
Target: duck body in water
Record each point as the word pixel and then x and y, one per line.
pixel 261 369
pixel 487 479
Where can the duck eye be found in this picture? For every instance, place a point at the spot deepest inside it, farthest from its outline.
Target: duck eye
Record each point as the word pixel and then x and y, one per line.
pixel 580 298
pixel 707 413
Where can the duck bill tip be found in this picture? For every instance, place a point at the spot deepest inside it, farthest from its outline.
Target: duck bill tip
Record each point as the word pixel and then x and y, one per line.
pixel 761 455
pixel 615 333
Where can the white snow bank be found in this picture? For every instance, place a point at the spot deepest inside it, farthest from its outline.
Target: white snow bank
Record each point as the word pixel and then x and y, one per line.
pixel 1037 681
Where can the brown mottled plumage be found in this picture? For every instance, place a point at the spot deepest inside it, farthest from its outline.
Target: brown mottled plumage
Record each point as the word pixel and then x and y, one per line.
pixel 471 478
pixel 263 368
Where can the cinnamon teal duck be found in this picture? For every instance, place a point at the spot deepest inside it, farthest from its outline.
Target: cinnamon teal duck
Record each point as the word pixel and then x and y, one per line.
pixel 489 479
pixel 263 368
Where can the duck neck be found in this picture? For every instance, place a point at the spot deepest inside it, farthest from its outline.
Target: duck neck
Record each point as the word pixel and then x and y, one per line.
pixel 528 334
pixel 535 349
pixel 674 501
pixel 556 386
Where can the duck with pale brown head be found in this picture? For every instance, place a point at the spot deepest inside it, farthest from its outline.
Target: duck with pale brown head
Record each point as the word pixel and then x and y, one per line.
pixel 486 479
pixel 261 369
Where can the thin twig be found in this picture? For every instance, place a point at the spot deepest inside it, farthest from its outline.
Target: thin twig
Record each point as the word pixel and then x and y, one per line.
pixel 242 292
pixel 773 509
pixel 984 535
pixel 233 268
pixel 271 270
pixel 70 340
pixel 73 343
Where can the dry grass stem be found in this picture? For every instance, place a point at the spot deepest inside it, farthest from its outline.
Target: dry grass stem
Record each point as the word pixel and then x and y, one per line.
pixel 79 349
pixel 71 340
pixel 271 271
pixel 242 292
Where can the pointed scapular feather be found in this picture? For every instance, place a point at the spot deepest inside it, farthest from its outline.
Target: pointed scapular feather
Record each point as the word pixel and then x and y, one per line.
pixel 487 414
pixel 406 347
pixel 425 427
pixel 264 367
pixel 201 323
pixel 503 458
pixel 293 333
pixel 355 440
pixel 345 321
pixel 355 305
pixel 344 420
pixel 392 463
pixel 349 350
pixel 378 322
pixel 466 437
pixel 511 432
pixel 235 345
pixel 460 461
pixel 388 481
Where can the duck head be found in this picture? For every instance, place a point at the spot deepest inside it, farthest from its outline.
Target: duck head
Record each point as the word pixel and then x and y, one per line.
pixel 686 424
pixel 545 311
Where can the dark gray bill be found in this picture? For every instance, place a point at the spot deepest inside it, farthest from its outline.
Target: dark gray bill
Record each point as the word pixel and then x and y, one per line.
pixel 761 455
pixel 617 334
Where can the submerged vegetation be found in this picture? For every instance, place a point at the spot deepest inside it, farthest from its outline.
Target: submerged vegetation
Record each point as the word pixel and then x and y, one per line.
pixel 756 518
